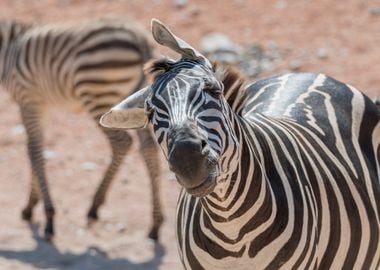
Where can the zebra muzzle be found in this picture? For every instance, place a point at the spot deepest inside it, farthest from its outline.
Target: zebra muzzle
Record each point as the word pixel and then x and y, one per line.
pixel 189 158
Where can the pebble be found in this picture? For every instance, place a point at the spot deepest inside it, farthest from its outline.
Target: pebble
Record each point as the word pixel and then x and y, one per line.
pixel 18 129
pixel 180 3
pixel 50 154
pixel 322 53
pixel 88 166
pixel 218 42
pixel 375 11
pixel 219 47
pixel 295 65
pixel 281 4
pixel 120 227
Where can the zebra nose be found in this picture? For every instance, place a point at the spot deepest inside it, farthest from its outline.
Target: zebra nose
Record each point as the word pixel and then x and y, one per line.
pixel 188 160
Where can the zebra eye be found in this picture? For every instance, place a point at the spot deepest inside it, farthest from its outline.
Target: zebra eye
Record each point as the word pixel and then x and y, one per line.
pixel 213 90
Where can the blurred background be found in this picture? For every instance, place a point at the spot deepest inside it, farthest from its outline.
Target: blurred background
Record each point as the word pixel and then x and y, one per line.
pixel 262 38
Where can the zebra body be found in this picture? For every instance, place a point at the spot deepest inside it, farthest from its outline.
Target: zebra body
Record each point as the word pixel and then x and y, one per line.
pixel 89 67
pixel 280 174
pixel 304 178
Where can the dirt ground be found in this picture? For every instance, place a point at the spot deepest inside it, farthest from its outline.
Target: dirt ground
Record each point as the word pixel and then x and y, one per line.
pixel 348 32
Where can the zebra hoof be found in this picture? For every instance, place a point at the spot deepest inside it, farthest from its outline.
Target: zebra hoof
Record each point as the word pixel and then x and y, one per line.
pixel 49 234
pixel 48 237
pixel 153 234
pixel 92 217
pixel 26 214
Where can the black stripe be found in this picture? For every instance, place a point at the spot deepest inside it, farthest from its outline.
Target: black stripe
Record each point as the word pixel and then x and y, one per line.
pixel 101 81
pixel 110 44
pixel 111 64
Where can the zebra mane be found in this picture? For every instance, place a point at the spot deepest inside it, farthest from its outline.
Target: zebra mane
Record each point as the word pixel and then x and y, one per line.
pixel 234 84
pixel 159 66
pixel 231 78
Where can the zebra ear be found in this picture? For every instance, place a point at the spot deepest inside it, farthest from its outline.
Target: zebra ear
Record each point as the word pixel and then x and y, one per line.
pixel 128 114
pixel 165 37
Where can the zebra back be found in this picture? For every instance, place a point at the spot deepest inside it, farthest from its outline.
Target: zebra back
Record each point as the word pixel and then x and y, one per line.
pixel 62 64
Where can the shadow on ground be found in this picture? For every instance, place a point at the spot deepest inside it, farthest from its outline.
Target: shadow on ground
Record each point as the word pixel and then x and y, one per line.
pixel 47 256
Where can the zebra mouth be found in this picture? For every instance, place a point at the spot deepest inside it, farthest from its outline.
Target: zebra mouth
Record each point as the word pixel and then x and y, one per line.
pixel 203 189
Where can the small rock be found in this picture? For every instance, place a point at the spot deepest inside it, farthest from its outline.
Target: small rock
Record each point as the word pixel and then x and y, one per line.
pixel 120 227
pixel 180 3
pixel 49 154
pixel 219 47
pixel 295 65
pixel 218 42
pixel 281 4
pixel 375 11
pixel 267 65
pixel 322 53
pixel 18 129
pixel 194 10
pixel 88 166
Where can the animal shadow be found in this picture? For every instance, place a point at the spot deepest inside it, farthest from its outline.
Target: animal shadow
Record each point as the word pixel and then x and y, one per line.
pixel 47 256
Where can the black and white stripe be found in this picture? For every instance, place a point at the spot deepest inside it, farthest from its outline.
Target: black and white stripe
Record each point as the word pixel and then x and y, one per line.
pixel 297 182
pixel 88 66
pixel 302 189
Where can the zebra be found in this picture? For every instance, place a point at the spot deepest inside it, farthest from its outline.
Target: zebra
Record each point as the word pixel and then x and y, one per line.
pixel 85 67
pixel 279 174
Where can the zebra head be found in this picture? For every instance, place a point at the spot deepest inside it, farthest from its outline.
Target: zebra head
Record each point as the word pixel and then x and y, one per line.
pixel 186 107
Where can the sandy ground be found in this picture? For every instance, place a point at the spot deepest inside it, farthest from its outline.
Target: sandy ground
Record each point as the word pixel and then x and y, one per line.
pixel 346 30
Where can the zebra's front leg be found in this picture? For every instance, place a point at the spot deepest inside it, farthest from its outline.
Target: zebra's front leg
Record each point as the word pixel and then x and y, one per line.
pixel 120 142
pixel 32 122
pixel 149 151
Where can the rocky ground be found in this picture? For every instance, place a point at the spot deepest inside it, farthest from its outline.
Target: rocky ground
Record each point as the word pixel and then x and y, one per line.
pixel 260 37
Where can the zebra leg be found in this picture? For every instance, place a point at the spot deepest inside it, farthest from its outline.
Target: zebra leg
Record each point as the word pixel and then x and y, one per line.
pixel 34 197
pixel 120 142
pixel 31 120
pixel 149 152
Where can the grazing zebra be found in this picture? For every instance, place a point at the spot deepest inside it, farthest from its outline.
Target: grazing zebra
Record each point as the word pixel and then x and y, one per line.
pixel 86 67
pixel 279 174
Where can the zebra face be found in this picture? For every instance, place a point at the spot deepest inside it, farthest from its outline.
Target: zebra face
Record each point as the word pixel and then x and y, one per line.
pixel 186 109
pixel 188 112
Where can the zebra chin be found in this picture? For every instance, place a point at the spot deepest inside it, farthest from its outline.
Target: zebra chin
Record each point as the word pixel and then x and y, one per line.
pixel 204 189
pixel 202 180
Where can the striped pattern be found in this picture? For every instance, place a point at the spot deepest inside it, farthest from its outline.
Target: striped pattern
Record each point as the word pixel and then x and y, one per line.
pixel 299 170
pixel 79 67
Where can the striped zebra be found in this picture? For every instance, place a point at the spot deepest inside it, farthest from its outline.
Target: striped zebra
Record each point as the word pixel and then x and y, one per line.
pixel 279 174
pixel 80 67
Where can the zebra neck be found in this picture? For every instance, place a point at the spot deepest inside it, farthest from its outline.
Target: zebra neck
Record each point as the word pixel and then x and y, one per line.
pixel 240 172
pixel 10 34
pixel 245 197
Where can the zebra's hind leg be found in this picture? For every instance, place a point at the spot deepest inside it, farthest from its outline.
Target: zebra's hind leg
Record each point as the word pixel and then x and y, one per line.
pixel 149 151
pixel 32 122
pixel 120 142
pixel 34 197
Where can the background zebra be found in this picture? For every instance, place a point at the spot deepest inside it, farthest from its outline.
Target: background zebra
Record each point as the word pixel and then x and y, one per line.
pixel 82 67
pixel 279 174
